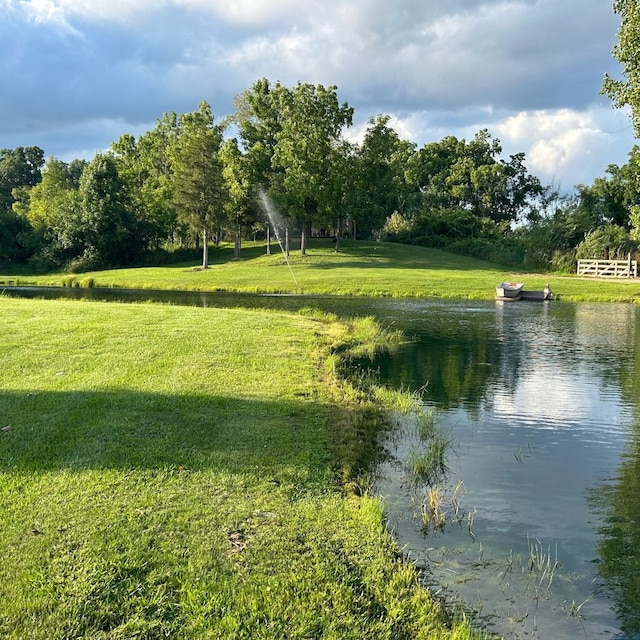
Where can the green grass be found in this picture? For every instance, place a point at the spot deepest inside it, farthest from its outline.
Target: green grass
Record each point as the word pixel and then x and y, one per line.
pixel 173 472
pixel 360 268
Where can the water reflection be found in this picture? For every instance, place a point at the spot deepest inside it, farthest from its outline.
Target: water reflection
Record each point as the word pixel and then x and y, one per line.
pixel 533 398
pixel 616 507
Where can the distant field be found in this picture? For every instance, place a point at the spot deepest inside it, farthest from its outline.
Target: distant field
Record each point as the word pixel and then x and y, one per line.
pixel 359 268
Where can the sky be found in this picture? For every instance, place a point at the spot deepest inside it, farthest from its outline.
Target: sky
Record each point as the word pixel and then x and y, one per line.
pixel 77 74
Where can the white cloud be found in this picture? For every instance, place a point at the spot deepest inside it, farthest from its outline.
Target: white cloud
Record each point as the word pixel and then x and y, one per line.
pixel 250 12
pixel 438 69
pixel 243 12
pixel 568 145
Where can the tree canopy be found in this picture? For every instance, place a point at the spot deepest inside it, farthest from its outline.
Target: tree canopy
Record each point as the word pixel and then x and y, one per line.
pixel 626 92
pixel 187 183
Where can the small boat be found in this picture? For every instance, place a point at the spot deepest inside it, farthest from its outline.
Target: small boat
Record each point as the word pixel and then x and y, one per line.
pixel 545 294
pixel 509 290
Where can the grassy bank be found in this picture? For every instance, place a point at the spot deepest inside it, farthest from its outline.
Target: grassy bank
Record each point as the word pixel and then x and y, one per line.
pixel 171 472
pixel 359 268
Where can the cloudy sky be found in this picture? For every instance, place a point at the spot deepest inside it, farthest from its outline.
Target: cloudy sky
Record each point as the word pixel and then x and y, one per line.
pixel 76 74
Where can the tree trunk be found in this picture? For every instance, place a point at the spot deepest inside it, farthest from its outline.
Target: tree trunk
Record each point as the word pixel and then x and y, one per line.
pixel 237 245
pixel 268 240
pixel 286 242
pixel 205 250
pixel 303 242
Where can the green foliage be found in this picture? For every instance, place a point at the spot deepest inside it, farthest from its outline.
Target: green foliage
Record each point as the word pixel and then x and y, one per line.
pixel 181 184
pixel 145 167
pixel 14 238
pixel 563 261
pixel 380 175
pixel 108 227
pixel 396 228
pixel 455 175
pixel 627 52
pixel 607 242
pixel 19 167
pixel 291 139
pixel 198 186
pixel 54 212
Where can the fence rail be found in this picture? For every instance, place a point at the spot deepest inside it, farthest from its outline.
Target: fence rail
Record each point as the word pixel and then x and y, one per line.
pixel 608 268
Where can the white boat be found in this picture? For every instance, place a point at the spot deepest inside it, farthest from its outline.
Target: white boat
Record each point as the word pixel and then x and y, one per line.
pixel 509 290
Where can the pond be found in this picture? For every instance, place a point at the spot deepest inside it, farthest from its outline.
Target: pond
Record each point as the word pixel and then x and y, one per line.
pixel 536 525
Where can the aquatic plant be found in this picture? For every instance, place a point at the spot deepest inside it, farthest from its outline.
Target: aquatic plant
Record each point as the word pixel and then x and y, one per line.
pixel 540 563
pixel 433 517
pixel 429 466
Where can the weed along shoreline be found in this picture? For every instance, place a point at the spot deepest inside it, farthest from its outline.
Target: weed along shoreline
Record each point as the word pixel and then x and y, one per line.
pixel 195 472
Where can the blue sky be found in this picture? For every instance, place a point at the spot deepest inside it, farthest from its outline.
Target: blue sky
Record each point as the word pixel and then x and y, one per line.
pixel 76 74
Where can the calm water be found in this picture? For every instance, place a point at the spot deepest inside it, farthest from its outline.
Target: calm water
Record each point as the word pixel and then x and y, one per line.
pixel 540 404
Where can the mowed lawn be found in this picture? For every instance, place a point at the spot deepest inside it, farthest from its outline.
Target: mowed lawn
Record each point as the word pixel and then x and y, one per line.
pixel 172 472
pixel 359 268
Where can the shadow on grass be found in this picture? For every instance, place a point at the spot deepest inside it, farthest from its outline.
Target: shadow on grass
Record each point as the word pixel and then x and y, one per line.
pixel 125 430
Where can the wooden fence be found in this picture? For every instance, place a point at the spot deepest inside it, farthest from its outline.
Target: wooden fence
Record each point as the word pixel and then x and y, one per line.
pixel 608 268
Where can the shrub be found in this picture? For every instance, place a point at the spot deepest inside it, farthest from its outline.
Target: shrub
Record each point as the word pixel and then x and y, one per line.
pixel 606 242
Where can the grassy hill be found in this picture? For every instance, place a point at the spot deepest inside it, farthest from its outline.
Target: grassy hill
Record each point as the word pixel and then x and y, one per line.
pixel 359 268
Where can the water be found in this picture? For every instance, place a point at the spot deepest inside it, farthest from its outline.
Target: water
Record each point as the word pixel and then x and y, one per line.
pixel 274 218
pixel 541 405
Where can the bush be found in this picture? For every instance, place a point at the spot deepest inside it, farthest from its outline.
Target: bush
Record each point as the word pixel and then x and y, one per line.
pixel 88 261
pixel 606 242
pixel 563 261
pixel 396 228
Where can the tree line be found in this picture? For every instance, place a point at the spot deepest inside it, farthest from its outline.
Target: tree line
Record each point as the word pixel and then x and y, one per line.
pixel 189 182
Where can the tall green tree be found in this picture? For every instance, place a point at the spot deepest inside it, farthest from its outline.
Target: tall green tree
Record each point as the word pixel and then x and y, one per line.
pixel 19 167
pixel 108 226
pixel 307 152
pixel 19 171
pixel 199 190
pixel 292 140
pixel 626 92
pixel 239 211
pixel 146 167
pixel 54 211
pixel 383 157
pixel 259 122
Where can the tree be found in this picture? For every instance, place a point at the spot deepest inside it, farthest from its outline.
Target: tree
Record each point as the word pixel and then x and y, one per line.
pixel 627 51
pixel 606 242
pixel 107 222
pixel 307 151
pixel 381 178
pixel 53 210
pixel 145 166
pixel 236 179
pixel 19 167
pixel 259 121
pixel 19 171
pixel 198 187
pixel 292 139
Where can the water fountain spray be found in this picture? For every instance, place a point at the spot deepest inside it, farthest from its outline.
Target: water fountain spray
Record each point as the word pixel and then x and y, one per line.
pixel 272 214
